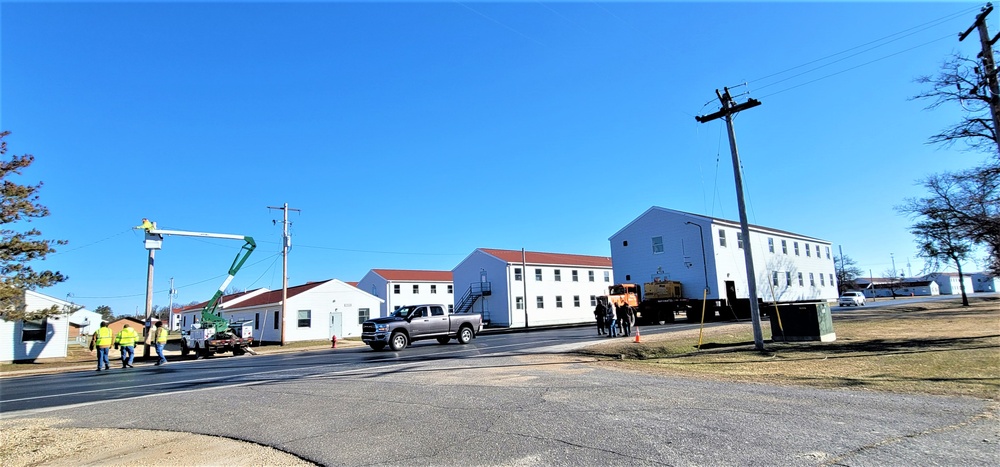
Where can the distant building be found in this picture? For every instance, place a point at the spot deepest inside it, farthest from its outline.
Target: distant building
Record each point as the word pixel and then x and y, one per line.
pixel 26 340
pixel 703 252
pixel 983 282
pixel 560 288
pixel 949 283
pixel 401 287
pixel 902 287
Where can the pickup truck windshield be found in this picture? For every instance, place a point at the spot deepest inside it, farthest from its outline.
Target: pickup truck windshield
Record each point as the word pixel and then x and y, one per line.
pixel 401 312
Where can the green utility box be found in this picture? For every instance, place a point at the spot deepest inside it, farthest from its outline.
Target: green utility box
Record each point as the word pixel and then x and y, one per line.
pixel 809 321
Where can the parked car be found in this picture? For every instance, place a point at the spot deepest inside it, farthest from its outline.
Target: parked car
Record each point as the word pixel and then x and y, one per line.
pixel 852 298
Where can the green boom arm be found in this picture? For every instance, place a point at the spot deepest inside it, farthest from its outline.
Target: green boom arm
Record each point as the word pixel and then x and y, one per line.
pixel 208 315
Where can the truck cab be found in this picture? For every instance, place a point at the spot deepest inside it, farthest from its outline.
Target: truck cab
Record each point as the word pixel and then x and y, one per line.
pixel 417 322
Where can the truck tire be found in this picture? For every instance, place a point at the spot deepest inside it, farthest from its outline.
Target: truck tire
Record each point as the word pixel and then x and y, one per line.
pixel 398 341
pixel 377 345
pixel 185 350
pixel 443 339
pixel 202 352
pixel 239 351
pixel 464 335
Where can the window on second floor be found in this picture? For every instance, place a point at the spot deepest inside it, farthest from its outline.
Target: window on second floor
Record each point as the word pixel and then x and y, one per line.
pixel 590 274
pixel 657 245
pixel 800 280
pixel 538 274
pixel 827 252
pixel 770 245
pixel 434 288
pixel 517 274
pixel 416 288
pixel 788 279
pixel 739 239
pixel 607 276
pixel 812 280
pixel 795 245
pixel 722 237
pixel 808 251
pixel 395 288
pixel 784 247
pixel 451 288
pixel 576 277
pixel 774 278
pixel 558 275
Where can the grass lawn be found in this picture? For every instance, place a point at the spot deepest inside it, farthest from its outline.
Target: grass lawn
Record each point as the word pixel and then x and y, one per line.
pixel 933 348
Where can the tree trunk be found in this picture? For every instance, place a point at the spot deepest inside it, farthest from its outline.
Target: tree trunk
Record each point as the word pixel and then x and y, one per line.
pixel 961 282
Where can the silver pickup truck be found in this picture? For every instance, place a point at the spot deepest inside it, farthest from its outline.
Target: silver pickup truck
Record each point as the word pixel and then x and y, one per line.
pixel 417 322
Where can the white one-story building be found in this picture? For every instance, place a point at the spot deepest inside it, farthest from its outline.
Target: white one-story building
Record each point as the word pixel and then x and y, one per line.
pixel 34 339
pixel 949 283
pixel 188 315
pixel 315 310
pixel 561 288
pixel 401 287
pixel 706 253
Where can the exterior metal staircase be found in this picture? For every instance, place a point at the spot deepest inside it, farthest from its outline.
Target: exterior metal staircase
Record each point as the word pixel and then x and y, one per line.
pixel 476 290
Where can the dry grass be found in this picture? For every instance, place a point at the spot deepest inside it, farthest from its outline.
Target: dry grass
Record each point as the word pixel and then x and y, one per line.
pixel 933 348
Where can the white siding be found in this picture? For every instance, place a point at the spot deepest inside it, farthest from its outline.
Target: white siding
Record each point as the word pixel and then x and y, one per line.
pixel 985 283
pixel 681 258
pixel 500 307
pixel 56 332
pixel 378 286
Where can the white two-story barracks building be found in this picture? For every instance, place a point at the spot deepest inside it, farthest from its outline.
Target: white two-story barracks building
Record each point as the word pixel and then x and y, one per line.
pixel 707 253
pixel 560 288
pixel 401 287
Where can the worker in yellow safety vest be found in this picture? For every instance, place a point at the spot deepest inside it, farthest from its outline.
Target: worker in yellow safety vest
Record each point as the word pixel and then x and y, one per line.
pixel 161 340
pixel 125 343
pixel 101 340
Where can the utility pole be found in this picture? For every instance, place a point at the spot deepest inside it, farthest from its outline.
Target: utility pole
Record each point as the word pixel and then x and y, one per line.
pixel 170 301
pixel 986 55
pixel 729 108
pixel 148 323
pixel 286 242
pixel 840 289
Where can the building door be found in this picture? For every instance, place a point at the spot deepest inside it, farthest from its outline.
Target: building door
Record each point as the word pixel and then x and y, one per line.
pixel 336 324
pixel 731 292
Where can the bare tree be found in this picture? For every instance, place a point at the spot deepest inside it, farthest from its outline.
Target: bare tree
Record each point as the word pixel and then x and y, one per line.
pixel 961 81
pixel 941 243
pixel 847 272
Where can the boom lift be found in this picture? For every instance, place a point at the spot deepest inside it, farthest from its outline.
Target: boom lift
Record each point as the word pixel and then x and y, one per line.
pixel 213 334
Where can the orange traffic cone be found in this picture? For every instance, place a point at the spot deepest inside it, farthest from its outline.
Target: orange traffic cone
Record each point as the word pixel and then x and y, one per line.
pixel 637 334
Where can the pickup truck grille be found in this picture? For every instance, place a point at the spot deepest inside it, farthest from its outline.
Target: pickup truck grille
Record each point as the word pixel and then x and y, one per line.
pixel 368 327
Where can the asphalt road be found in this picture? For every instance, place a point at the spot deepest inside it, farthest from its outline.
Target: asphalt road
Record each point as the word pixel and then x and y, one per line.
pixel 511 399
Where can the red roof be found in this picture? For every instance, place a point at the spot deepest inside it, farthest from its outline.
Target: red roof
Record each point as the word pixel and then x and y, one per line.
pixel 534 257
pixel 274 296
pixel 352 284
pixel 413 275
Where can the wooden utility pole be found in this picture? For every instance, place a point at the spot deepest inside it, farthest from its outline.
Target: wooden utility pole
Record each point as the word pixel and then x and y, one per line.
pixel 286 242
pixel 149 304
pixel 729 108
pixel 989 67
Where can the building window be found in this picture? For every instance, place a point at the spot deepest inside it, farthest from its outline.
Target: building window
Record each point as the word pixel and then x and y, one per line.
pixel 517 274
pixel 770 245
pixel 451 289
pixel 395 289
pixel 416 288
pixel 538 274
pixel 434 288
pixel 831 280
pixel 808 251
pixel 576 301
pixel 451 309
pixel 827 252
pixel 607 276
pixel 628 277
pixel 590 274
pixel 276 320
pixel 796 246
pixel 722 237
pixel 576 277
pixel 788 279
pixel 784 247
pixel 520 303
pixel 305 318
pixel 800 280
pixel 33 330
pixel 739 239
pixel 657 245
pixel 817 251
pixel 593 300
pixel 558 275
pixel 812 280
pixel 558 301
pixel 539 302
pixel 364 314
pixel 774 278
pixel 256 320
pixel 822 280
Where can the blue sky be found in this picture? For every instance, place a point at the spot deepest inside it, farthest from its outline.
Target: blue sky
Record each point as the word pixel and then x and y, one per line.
pixel 410 134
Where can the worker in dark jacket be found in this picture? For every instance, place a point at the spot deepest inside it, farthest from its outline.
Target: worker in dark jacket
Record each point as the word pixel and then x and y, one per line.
pixel 626 316
pixel 600 314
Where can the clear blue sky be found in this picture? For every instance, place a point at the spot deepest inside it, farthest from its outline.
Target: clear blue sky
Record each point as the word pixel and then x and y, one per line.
pixel 410 134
